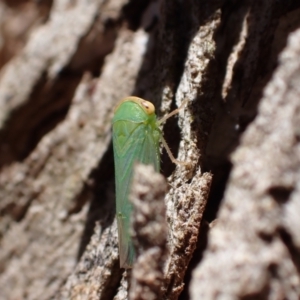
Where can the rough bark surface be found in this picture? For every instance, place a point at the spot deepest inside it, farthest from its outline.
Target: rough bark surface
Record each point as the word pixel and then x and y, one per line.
pixel 150 229
pixel 258 226
pixel 66 64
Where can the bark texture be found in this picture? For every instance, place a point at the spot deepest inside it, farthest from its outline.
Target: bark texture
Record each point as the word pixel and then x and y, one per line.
pixel 150 229
pixel 64 67
pixel 256 238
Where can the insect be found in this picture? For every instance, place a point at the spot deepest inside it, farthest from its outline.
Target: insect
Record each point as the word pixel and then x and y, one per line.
pixel 136 137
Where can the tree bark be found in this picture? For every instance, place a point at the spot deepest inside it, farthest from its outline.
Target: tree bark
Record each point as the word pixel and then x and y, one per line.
pixel 64 67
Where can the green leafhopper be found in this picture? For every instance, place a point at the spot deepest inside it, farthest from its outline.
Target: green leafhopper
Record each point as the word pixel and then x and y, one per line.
pixel 136 137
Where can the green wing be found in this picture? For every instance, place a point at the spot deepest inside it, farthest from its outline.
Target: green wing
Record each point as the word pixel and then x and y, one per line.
pixel 132 142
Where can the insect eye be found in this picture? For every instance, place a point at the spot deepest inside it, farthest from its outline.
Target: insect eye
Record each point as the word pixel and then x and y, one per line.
pixel 144 103
pixel 149 107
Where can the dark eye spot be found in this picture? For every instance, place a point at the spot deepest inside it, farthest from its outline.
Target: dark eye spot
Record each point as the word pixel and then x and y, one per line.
pixel 145 105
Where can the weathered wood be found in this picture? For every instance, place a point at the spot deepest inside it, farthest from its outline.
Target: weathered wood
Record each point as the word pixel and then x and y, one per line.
pixel 68 63
pixel 253 250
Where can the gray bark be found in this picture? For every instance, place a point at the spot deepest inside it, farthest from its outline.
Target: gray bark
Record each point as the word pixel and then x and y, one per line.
pixel 64 67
